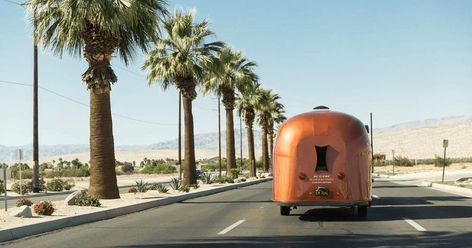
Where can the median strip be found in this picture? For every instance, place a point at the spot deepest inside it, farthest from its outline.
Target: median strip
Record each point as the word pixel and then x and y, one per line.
pixel 239 222
pixel 415 225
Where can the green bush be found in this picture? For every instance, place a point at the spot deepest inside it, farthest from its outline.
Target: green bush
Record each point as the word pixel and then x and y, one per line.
pixel 224 179
pixel 25 187
pixel 161 188
pixel 439 161
pixel 69 184
pixel 2 187
pixel 43 208
pixel 163 168
pixel 211 167
pixel 403 161
pixel 41 186
pixel 23 201
pixel 127 167
pixel 184 188
pixel 87 200
pixel 55 184
pixel 234 173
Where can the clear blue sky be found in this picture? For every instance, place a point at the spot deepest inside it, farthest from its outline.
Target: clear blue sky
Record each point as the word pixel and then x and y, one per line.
pixel 402 60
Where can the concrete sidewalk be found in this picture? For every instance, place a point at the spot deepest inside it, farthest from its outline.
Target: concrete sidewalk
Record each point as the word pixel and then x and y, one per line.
pixel 68 221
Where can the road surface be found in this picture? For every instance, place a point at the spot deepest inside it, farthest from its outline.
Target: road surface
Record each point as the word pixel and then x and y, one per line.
pixel 401 216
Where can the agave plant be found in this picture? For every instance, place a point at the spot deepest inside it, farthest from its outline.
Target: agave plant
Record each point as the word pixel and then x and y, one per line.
pixel 208 178
pixel 162 188
pixel 175 183
pixel 142 186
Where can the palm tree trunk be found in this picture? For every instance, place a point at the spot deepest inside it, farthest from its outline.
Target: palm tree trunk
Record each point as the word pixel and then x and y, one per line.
pixel 190 176
pixel 230 146
pixel 250 146
pixel 265 154
pixel 102 152
pixel 271 146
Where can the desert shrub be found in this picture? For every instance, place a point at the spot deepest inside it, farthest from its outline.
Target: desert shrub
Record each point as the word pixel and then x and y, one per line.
pixel 127 167
pixel 132 190
pixel 195 186
pixel 2 187
pixel 69 184
pixel 83 171
pixel 87 200
pixel 207 178
pixel 43 208
pixel 403 161
pixel 142 186
pixel 23 201
pixel 25 187
pixel 163 168
pixel 211 167
pixel 234 173
pixel 224 179
pixel 15 171
pixel 55 184
pixel 162 188
pixel 175 183
pixel 439 161
pixel 184 188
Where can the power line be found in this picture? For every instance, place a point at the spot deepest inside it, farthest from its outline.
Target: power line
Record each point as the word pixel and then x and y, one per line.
pixel 86 105
pixel 12 2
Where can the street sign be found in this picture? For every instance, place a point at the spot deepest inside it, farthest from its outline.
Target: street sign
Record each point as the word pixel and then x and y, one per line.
pixel 445 143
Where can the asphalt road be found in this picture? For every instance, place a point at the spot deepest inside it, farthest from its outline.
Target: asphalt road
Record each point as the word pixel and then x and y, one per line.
pixel 401 216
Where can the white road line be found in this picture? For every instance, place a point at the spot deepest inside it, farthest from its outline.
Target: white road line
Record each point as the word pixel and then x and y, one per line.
pixel 375 197
pixel 239 222
pixel 415 225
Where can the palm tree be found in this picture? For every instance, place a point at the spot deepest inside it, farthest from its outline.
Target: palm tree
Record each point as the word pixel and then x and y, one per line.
pixel 98 29
pixel 246 102
pixel 183 59
pixel 233 73
pixel 265 106
pixel 276 117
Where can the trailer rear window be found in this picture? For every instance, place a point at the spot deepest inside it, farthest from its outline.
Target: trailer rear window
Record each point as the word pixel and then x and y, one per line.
pixel 321 158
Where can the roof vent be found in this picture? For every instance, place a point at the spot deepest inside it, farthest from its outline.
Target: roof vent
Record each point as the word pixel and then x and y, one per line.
pixel 321 107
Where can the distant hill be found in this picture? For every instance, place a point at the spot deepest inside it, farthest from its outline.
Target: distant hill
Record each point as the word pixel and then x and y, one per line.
pixel 419 139
pixel 424 139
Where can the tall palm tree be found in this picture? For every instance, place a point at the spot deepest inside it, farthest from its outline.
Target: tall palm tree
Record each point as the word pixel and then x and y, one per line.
pixel 245 102
pixel 277 116
pixel 233 73
pixel 98 29
pixel 267 102
pixel 183 59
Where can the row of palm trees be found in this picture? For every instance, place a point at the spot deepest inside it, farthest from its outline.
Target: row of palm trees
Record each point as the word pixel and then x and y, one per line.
pixel 182 58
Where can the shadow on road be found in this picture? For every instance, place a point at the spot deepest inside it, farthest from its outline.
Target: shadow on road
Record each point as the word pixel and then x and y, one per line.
pixel 430 239
pixel 387 213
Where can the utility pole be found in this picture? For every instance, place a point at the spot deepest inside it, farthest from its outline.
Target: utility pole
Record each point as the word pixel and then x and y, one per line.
pixel 35 115
pixel 219 134
pixel 180 135
pixel 372 141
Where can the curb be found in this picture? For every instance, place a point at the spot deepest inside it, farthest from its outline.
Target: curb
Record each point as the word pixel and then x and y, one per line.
pixel 52 225
pixel 453 189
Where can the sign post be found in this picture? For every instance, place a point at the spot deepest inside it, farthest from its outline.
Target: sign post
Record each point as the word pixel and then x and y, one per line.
pixel 393 162
pixel 5 185
pixel 445 144
pixel 20 157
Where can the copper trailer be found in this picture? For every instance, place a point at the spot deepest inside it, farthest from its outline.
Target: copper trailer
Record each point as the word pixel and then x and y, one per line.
pixel 322 158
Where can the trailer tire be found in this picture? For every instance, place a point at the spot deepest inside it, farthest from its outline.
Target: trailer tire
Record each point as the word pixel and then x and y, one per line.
pixel 284 210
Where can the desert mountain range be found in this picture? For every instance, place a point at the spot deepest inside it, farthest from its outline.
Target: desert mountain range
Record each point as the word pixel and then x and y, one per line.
pixel 419 139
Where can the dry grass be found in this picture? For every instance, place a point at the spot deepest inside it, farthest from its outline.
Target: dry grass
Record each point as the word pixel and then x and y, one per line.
pixel 401 170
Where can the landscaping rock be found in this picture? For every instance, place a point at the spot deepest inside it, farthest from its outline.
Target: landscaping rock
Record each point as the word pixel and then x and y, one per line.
pixel 23 211
pixel 70 199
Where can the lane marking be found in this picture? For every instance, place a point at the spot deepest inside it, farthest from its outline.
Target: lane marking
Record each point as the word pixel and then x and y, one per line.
pixel 224 231
pixel 415 225
pixel 375 197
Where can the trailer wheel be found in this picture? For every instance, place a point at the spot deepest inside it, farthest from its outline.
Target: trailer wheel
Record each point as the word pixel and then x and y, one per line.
pixel 284 210
pixel 362 211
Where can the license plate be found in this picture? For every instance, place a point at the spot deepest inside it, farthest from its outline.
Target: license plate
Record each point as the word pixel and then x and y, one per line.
pixel 322 191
